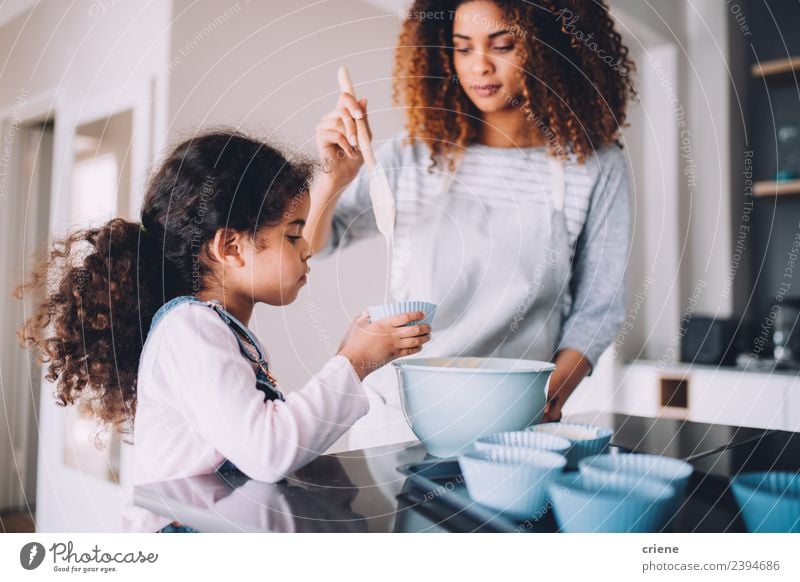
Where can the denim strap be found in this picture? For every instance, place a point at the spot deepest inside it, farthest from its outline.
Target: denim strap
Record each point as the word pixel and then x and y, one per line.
pixel 248 344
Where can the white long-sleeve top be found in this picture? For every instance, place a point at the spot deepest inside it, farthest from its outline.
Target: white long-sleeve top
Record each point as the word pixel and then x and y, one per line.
pixel 197 406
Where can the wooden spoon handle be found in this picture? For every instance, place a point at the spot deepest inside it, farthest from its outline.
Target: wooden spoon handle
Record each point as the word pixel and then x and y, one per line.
pixel 362 133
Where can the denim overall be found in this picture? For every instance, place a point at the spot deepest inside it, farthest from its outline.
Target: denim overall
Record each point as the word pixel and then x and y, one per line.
pixel 250 349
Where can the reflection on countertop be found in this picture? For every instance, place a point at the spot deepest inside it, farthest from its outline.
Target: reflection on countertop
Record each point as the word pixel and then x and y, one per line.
pixel 353 491
pixel 363 491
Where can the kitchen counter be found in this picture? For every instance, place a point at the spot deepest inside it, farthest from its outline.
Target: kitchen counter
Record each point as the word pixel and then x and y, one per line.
pixel 362 491
pixel 766 368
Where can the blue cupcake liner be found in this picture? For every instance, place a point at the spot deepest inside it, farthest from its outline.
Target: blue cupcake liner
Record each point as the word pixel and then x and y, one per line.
pixel 769 501
pixel 512 480
pixel 378 312
pixel 672 471
pixel 621 504
pixel 525 439
pixel 580 447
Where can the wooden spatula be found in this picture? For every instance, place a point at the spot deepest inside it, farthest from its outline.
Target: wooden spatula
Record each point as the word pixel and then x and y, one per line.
pixel 380 192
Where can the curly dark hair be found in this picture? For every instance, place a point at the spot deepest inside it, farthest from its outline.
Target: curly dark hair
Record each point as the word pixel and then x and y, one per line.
pixel 573 90
pixel 97 289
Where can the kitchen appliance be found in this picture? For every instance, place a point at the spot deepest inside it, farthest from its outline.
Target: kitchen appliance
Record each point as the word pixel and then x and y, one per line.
pixel 786 335
pixel 788 135
pixel 709 340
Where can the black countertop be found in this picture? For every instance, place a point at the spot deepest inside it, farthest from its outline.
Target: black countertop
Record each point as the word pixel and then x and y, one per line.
pixel 362 491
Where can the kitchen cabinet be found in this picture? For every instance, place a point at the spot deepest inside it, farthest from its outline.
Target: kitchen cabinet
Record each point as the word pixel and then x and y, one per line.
pixel 737 398
pixel 637 392
pixel 711 394
pixel 792 408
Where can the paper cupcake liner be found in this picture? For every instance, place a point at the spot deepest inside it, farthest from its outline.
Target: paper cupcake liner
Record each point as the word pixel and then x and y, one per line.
pixel 378 312
pixel 525 439
pixel 770 501
pixel 580 447
pixel 511 480
pixel 673 471
pixel 633 481
pixel 623 506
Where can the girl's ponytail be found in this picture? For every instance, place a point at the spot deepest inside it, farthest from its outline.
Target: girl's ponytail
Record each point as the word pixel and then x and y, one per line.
pixel 98 289
pixel 96 294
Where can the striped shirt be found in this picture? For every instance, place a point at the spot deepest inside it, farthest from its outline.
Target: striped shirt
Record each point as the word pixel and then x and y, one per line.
pixel 596 212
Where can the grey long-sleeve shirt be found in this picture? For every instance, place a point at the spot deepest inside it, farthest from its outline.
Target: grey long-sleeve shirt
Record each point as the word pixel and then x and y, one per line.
pixel 596 210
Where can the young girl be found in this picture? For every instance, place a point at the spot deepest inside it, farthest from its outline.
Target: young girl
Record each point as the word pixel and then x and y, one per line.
pixel 146 324
pixel 511 188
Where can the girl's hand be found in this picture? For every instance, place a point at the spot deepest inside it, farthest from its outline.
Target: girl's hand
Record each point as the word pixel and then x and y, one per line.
pixel 337 140
pixel 369 346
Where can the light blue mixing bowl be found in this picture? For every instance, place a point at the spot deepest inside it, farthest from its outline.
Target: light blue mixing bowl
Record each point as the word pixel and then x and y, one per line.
pixel 770 501
pixel 511 480
pixel 621 504
pixel 450 402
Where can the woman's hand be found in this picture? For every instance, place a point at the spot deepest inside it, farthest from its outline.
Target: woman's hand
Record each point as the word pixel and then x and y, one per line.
pixel 369 346
pixel 337 140
pixel 571 367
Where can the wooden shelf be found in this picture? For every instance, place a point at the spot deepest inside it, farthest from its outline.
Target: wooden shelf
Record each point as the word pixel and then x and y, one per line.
pixel 771 188
pixel 775 67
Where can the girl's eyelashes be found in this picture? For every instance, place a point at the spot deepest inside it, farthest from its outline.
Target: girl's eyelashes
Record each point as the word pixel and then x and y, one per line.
pixel 294 239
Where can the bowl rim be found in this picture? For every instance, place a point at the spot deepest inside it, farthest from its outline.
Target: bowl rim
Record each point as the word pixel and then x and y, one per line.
pixel 380 306
pixel 744 483
pixel 604 432
pixel 574 484
pixel 595 463
pixel 416 364
pixel 486 440
pixel 482 456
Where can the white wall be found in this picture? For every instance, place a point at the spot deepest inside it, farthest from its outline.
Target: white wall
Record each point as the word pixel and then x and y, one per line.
pixel 685 225
pixel 708 212
pixel 654 269
pixel 271 68
pixel 685 229
pixel 74 63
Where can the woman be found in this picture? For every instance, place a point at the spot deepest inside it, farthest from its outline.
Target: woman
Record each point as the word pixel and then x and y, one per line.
pixel 511 187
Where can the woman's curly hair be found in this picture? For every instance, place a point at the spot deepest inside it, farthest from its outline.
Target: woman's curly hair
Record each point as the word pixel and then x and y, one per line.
pixel 575 91
pixel 97 289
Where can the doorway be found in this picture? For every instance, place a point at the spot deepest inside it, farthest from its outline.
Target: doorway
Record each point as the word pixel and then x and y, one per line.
pixel 25 182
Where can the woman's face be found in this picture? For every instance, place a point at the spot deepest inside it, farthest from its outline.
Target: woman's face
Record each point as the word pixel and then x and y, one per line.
pixel 485 57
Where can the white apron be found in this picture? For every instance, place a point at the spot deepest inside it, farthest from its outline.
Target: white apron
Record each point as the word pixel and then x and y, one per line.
pixel 498 272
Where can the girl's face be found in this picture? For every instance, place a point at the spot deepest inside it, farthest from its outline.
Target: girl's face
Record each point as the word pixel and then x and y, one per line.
pixel 485 57
pixel 278 271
